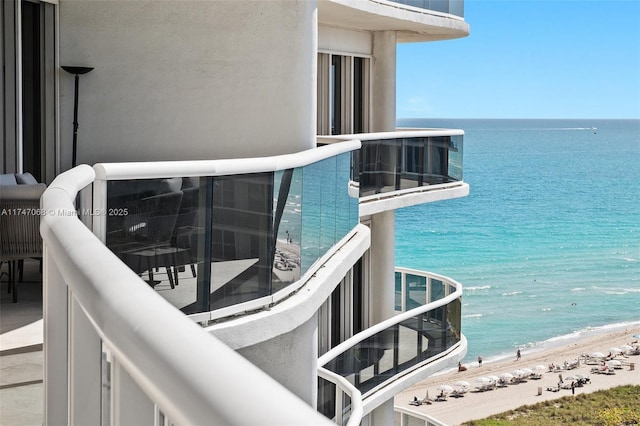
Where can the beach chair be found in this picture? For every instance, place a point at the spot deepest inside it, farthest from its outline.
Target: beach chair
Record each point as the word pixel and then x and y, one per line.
pixel 417 402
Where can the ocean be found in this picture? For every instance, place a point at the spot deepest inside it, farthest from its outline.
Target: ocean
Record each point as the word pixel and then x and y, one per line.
pixel 547 244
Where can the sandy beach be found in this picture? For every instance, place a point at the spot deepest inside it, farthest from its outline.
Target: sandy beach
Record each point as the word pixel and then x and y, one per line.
pixel 478 405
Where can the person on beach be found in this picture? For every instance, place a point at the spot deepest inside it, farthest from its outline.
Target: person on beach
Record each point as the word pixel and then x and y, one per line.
pixel 479 361
pixel 518 355
pixel 461 367
pixel 573 388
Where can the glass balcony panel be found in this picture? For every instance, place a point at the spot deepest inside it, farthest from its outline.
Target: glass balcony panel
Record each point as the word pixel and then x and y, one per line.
pixel 416 291
pixel 436 290
pixel 326 398
pixel 387 165
pixel 242 246
pixel 454 7
pixel 408 344
pixel 328 201
pixel 312 214
pixel 401 346
pixel 288 222
pixel 156 227
pixel 398 292
pixel 218 241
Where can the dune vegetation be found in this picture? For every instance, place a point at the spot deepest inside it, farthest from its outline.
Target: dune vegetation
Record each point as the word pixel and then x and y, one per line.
pixel 618 406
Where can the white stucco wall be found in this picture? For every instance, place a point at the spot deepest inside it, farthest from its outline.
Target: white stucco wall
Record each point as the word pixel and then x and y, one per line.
pixel 188 79
pixel 291 359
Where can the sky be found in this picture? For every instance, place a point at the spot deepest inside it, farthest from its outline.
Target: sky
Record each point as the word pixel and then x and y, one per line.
pixel 528 59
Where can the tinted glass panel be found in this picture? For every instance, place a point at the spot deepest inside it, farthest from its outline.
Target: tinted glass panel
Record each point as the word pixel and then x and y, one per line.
pixel 206 243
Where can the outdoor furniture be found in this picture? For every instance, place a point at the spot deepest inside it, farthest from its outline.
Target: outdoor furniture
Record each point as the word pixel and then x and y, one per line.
pixel 19 224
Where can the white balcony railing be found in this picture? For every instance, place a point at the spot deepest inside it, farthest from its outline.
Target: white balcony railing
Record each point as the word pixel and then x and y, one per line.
pixel 116 352
pixel 397 347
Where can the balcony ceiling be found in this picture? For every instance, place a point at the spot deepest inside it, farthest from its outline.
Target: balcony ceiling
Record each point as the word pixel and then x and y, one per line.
pixel 412 24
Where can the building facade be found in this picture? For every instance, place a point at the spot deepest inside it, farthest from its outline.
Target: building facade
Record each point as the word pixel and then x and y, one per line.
pixel 249 154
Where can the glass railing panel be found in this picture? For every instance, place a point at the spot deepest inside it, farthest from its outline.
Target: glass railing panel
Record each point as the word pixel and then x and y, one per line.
pixel 436 289
pixel 398 291
pixel 386 165
pixel 328 202
pixel 416 294
pixel 242 246
pixel 326 398
pixel 454 7
pixel 206 243
pixel 288 222
pixel 455 157
pixel 156 227
pixel 401 346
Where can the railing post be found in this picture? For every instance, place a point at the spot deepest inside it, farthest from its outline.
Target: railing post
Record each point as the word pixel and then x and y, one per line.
pixel 129 405
pixel 55 314
pixel 85 350
pixel 339 404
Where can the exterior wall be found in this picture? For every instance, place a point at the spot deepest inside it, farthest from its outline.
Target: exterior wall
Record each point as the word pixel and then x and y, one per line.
pixel 188 80
pixel 345 41
pixel 291 359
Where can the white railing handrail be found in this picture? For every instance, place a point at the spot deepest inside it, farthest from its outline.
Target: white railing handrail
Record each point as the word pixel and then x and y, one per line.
pixel 399 133
pixel 168 169
pixel 357 408
pixel 383 325
pixel 193 377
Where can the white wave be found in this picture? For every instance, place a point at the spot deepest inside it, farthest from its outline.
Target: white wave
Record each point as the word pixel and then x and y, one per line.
pixel 473 316
pixel 545 309
pixel 482 287
pixel 512 293
pixel 578 289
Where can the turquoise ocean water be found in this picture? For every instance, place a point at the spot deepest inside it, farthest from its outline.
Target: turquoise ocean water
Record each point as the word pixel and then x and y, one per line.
pixel 547 244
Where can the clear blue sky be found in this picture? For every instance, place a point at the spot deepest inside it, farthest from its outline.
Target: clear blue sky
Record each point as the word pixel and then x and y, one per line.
pixel 528 59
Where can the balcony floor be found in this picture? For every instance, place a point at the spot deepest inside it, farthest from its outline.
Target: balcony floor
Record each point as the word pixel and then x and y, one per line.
pixel 21 373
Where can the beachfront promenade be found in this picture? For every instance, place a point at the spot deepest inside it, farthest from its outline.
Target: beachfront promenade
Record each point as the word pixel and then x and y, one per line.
pixel 477 405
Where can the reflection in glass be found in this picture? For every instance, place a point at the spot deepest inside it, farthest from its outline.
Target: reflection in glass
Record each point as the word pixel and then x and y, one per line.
pixel 206 243
pixel 386 165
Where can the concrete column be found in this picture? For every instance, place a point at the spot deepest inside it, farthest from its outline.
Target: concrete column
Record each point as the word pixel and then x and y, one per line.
pixel 383 82
pixel 382 266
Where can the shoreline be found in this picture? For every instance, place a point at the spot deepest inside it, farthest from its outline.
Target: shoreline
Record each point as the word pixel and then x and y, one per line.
pixel 555 342
pixel 477 405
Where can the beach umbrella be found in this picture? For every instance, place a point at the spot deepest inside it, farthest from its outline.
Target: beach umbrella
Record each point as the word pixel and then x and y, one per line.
pixel 445 388
pixel 483 380
pixel 571 377
pixel 626 348
pixel 506 376
pixel 494 379
pixel 615 351
pixel 527 371
pixel 614 363
pixel 596 355
pixel 518 373
pixel 462 383
pixel 579 376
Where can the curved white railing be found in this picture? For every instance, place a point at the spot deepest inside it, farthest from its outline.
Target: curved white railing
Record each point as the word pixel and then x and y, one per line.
pixel 343 387
pixel 383 325
pixel 163 365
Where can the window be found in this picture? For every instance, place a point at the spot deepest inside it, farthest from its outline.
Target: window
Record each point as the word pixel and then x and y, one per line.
pixel 343 94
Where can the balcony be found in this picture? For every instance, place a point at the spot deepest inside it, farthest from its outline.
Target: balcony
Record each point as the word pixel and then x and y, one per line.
pixel 115 351
pixel 398 352
pixel 413 20
pixel 399 169
pixel 453 7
